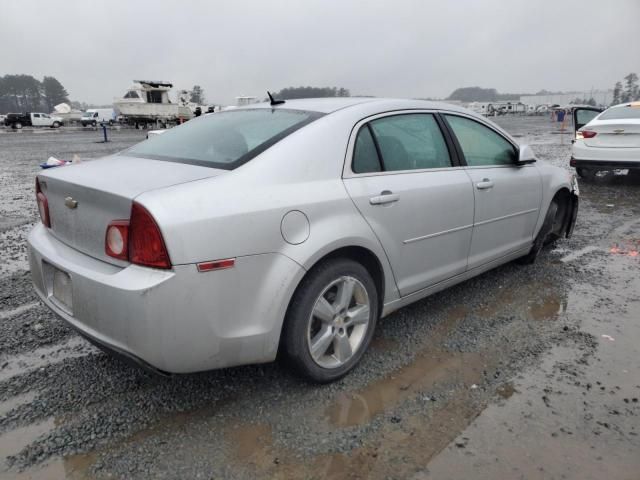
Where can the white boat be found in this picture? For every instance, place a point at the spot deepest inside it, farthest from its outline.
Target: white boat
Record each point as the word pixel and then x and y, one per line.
pixel 148 101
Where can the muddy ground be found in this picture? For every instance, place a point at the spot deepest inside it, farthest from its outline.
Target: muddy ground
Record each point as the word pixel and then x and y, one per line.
pixel 523 372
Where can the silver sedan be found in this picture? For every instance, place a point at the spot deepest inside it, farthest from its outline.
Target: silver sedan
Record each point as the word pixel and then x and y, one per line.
pixel 286 228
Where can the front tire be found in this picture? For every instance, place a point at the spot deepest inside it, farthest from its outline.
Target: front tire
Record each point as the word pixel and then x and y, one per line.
pixel 94 124
pixel 331 320
pixel 56 125
pixel 544 235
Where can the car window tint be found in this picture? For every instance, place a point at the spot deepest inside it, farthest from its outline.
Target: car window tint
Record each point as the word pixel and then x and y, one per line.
pixel 619 113
pixel 585 116
pixel 410 142
pixel 481 145
pixel 365 155
pixel 225 139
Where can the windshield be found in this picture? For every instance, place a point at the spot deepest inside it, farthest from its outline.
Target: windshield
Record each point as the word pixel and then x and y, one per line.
pixel 223 140
pixel 87 114
pixel 621 113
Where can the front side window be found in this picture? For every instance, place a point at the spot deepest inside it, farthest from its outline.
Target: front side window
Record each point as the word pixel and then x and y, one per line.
pixel 480 145
pixel 405 142
pixel 36 115
pixel 225 140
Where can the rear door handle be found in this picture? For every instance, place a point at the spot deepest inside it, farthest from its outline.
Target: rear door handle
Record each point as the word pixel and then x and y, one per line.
pixel 384 198
pixel 484 184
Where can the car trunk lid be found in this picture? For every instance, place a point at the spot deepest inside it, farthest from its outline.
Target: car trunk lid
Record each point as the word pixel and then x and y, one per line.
pixel 84 198
pixel 614 134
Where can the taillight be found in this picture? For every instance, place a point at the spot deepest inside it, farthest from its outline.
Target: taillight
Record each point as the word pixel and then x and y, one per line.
pixel 146 245
pixel 43 205
pixel 588 133
pixel 116 242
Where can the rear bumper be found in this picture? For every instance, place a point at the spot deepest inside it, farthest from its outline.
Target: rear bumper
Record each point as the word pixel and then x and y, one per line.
pixel 174 321
pixel 605 164
pixel 605 158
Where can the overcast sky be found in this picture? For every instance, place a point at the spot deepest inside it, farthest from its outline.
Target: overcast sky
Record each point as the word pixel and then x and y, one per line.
pixel 399 48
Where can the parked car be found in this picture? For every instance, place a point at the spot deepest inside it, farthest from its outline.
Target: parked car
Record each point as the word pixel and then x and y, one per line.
pixel 608 140
pixel 93 116
pixel 29 119
pixel 288 228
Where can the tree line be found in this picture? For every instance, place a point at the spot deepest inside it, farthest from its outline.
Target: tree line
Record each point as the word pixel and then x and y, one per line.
pixel 478 94
pixel 25 93
pixel 291 93
pixel 628 92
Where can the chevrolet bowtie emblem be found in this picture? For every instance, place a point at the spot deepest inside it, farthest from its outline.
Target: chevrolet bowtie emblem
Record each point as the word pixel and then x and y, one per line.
pixel 70 202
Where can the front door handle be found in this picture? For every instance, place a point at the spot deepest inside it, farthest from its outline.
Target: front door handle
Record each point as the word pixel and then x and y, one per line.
pixel 384 198
pixel 484 184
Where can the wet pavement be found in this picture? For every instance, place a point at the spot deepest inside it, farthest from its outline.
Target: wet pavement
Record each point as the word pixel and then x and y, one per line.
pixel 523 372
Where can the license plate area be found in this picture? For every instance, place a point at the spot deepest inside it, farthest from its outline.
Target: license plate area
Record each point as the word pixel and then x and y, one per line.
pixel 59 287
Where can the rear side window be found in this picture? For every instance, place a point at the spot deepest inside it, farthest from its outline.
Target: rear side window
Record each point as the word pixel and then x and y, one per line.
pixel 405 142
pixel 480 145
pixel 365 155
pixel 620 113
pixel 223 140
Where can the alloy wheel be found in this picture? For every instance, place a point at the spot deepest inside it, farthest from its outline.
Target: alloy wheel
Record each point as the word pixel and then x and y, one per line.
pixel 338 322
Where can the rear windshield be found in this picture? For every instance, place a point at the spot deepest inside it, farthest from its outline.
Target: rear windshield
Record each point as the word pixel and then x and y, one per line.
pixel 223 140
pixel 620 113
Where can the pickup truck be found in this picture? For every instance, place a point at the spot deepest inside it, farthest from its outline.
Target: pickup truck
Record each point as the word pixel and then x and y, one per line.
pixel 29 119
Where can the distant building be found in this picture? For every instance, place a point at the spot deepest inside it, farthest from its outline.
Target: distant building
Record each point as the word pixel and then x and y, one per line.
pixel 602 98
pixel 242 101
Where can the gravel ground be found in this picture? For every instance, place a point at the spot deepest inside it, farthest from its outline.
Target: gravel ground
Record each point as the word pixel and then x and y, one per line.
pixel 451 385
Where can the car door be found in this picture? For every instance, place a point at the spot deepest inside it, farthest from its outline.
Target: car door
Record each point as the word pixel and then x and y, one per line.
pixel 405 180
pixel 507 196
pixel 36 120
pixel 583 115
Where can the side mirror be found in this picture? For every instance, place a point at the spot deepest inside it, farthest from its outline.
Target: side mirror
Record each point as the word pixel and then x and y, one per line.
pixel 525 155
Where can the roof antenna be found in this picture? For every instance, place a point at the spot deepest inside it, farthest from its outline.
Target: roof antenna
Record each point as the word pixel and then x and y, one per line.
pixel 273 101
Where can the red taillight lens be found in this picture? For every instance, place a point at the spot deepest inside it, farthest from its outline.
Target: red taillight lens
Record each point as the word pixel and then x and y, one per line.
pixel 116 242
pixel 146 246
pixel 43 205
pixel 588 134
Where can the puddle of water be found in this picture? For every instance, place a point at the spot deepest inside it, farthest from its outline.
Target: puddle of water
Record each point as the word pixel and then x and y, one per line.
pixel 13 402
pixel 25 362
pixel 424 372
pixel 17 311
pixel 506 391
pixel 383 344
pixel 251 444
pixel 549 308
pixel 75 467
pixel 13 441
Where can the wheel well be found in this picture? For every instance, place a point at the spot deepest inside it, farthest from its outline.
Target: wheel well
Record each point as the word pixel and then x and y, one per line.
pixel 563 200
pixel 367 259
pixel 361 255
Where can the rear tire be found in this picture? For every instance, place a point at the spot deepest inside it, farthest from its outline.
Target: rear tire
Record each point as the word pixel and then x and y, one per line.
pixel 17 126
pixel 330 320
pixel 544 235
pixel 586 173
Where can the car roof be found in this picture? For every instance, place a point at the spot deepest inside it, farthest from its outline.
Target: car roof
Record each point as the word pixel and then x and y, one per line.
pixel 332 104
